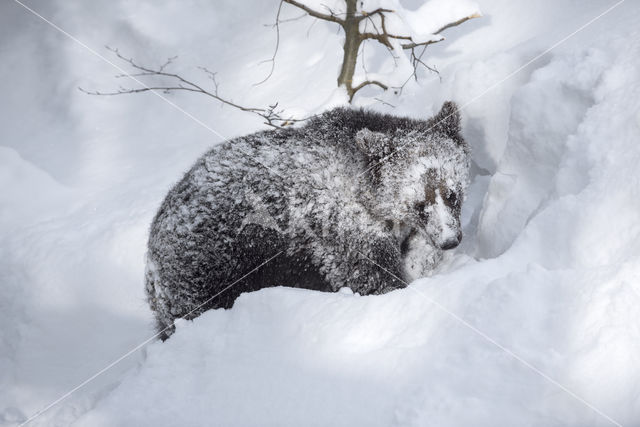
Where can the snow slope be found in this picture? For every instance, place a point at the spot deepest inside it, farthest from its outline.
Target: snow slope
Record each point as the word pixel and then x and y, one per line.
pixel 534 320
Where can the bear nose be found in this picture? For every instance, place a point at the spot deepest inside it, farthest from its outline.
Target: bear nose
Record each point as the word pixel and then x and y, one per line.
pixel 451 243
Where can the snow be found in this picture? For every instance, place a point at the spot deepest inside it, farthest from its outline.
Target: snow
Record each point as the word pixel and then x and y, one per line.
pixel 422 23
pixel 549 268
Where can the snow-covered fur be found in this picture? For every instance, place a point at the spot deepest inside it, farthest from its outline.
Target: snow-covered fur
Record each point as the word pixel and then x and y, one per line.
pixel 354 198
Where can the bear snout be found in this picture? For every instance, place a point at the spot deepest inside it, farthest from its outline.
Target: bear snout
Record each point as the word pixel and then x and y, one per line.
pixel 451 243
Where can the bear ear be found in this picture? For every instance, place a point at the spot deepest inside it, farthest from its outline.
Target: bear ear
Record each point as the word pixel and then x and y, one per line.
pixel 374 144
pixel 447 120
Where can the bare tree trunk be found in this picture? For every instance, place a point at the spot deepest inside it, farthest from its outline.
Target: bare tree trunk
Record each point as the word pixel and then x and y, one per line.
pixel 353 38
pixel 352 43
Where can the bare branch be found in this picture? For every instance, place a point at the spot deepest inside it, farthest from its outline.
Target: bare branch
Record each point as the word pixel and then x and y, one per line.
pixel 370 82
pixel 416 60
pixel 449 25
pixel 282 21
pixel 363 60
pixel 426 43
pixel 275 51
pixel 212 77
pixel 308 11
pixel 331 12
pixel 330 17
pixel 311 26
pixel 379 11
pixel 271 115
pixel 383 102
pixel 384 36
pixel 458 22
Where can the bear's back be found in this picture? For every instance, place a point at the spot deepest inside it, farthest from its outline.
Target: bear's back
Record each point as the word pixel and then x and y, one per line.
pixel 248 179
pixel 262 171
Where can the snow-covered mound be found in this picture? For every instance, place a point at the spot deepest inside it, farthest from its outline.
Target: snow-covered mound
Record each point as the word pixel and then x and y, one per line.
pixel 562 213
pixel 534 320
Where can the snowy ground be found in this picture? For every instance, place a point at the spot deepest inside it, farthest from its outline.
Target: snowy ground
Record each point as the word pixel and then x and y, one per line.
pixel 534 320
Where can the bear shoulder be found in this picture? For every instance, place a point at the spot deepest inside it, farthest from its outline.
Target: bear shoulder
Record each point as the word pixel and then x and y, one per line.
pixel 351 120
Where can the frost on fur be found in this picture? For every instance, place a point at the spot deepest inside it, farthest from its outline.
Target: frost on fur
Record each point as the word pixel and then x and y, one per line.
pixel 354 198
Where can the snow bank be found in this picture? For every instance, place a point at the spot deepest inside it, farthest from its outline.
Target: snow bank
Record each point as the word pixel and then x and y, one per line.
pixel 562 209
pixel 549 268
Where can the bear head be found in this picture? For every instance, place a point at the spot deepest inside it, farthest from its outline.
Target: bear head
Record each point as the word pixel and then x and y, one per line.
pixel 420 171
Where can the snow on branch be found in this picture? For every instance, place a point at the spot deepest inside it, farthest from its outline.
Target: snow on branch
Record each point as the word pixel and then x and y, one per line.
pixel 391 25
pixel 424 25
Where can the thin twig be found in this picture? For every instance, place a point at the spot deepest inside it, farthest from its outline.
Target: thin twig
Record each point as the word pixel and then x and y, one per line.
pixel 275 51
pixel 331 17
pixel 271 115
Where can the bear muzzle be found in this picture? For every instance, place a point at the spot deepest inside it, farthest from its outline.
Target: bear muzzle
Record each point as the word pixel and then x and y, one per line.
pixel 452 242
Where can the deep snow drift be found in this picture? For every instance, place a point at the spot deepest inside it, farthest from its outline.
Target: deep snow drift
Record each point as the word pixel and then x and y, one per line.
pixel 540 301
